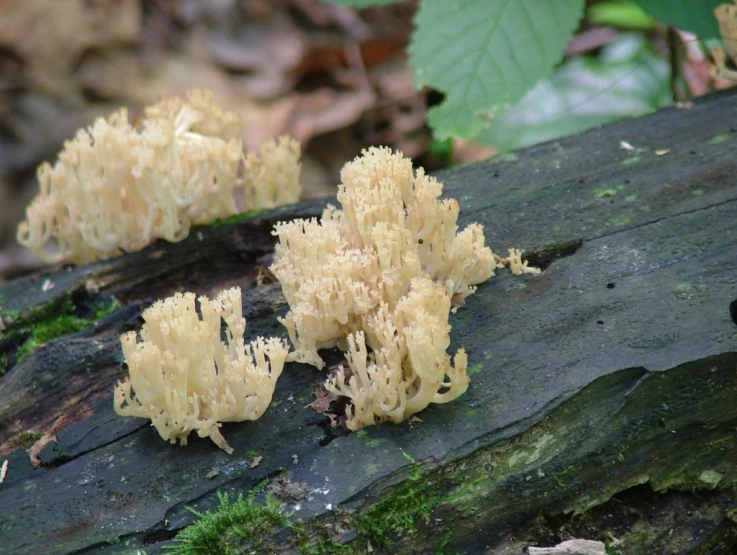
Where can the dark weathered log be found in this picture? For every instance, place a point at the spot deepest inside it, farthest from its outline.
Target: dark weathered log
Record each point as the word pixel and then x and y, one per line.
pixel 604 394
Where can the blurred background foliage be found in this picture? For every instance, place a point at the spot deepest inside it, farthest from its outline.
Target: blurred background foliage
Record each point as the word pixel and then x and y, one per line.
pixel 336 77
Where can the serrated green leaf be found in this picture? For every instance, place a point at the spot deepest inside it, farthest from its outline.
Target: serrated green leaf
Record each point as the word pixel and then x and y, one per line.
pixel 450 120
pixel 628 78
pixel 487 53
pixel 696 16
pixel 363 3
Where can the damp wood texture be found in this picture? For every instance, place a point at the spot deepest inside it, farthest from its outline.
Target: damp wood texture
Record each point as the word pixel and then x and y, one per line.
pixel 603 402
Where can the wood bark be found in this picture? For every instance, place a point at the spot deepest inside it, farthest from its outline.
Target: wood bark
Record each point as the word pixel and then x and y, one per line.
pixel 603 402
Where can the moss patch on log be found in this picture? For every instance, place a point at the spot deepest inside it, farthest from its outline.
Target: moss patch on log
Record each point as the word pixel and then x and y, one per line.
pixel 235 218
pixel 55 319
pixel 230 527
pixel 564 461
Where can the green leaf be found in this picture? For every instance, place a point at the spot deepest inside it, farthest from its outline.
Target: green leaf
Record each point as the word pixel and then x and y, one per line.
pixel 363 3
pixel 696 16
pixel 620 13
pixel 485 54
pixel 628 78
pixel 449 120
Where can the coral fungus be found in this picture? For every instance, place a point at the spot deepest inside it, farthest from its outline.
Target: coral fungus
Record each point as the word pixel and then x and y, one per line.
pixel 382 273
pixel 185 378
pixel 117 187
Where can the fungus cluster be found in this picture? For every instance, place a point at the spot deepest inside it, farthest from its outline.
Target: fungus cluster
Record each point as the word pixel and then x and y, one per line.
pixel 378 279
pixel 118 186
pixel 185 378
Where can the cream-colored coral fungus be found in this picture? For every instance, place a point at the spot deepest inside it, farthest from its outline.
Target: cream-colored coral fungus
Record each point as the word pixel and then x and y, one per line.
pixel 184 377
pixel 518 266
pixel 725 59
pixel 382 273
pixel 118 187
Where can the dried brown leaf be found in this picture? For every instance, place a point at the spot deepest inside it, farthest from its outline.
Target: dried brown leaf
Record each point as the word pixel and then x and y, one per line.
pixel 326 110
pixel 323 398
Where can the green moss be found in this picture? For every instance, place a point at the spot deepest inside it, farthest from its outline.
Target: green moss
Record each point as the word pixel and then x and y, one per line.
pixel 9 315
pixel 28 438
pixel 371 442
pixel 26 349
pixel 44 327
pixel 317 541
pixel 410 504
pixel 475 369
pixel 440 549
pixel 711 477
pixel 622 219
pixel 37 314
pixel 247 215
pixel 684 288
pixel 231 527
pixel 543 461
pixel 605 192
pixel 716 139
pixel 611 549
pixel 558 476
pixel 395 515
pixel 630 160
pixel 372 468
pixel 505 157
pixel 243 526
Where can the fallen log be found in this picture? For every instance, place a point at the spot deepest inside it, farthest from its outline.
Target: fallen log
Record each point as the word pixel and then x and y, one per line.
pixel 603 402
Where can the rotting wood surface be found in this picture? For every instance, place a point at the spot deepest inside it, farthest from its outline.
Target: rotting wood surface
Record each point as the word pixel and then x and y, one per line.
pixel 610 375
